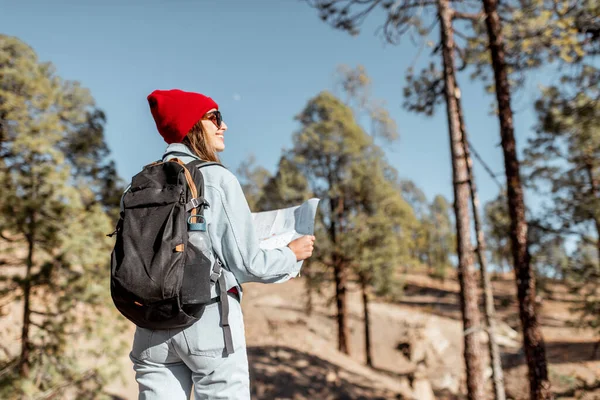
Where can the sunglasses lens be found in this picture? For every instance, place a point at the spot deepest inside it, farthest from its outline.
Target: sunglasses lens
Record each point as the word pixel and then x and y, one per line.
pixel 215 117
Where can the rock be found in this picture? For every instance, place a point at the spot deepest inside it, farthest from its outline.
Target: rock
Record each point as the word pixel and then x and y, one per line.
pixel 418 353
pixel 422 390
pixel 436 339
pixel 506 336
pixel 449 382
pixel 404 348
pixel 504 329
pixel 331 377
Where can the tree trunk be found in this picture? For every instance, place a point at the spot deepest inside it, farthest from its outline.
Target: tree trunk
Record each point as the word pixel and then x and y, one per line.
pixel 339 271
pixel 24 362
pixel 308 284
pixel 532 336
pixel 594 185
pixel 488 295
pixel 342 311
pixel 365 297
pixel 466 273
pixel 337 212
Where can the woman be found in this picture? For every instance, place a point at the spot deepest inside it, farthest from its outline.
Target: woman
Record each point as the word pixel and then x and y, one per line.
pixel 169 362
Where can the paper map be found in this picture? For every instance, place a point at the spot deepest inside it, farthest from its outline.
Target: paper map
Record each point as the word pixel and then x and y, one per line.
pixel 279 227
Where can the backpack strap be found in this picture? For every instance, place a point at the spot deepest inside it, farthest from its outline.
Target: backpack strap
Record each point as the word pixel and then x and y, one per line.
pixel 217 277
pixel 191 184
pixel 201 163
pixel 200 200
pixel 225 315
pixel 224 300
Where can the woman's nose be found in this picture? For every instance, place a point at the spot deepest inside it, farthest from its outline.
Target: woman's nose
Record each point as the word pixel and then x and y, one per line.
pixel 223 125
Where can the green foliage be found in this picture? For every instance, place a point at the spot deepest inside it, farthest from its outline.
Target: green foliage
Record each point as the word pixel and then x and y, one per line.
pixel 356 85
pixel 424 92
pixel 563 160
pixel 536 33
pixel 415 197
pixel 253 179
pixel 433 233
pixel 382 226
pixel 401 17
pixel 497 231
pixel 584 275
pixel 57 198
pixel 565 153
pixel 365 221
pixel 325 152
pixel 287 188
pixel 442 238
pixel 549 256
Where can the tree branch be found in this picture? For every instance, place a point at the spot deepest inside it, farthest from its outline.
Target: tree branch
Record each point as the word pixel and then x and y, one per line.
pixel 468 16
pixel 5 350
pixel 42 327
pixel 6 367
pixel 55 390
pixel 548 229
pixel 6 238
pixel 463 58
pixel 485 166
pixel 45 314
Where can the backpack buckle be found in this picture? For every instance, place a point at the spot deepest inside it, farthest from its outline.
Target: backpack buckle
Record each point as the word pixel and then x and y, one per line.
pixel 195 203
pixel 215 275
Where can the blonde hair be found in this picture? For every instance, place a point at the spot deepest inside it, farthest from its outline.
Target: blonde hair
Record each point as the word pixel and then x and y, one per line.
pixel 197 140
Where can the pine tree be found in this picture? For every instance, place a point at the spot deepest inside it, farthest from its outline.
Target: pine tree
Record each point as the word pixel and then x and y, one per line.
pixel 563 160
pixel 400 18
pixel 380 223
pixel 55 204
pixel 441 236
pixel 326 149
pixel 497 223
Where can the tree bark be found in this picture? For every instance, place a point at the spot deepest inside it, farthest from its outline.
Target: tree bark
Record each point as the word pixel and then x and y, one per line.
pixel 365 297
pixel 308 283
pixel 339 272
pixel 24 362
pixel 533 341
pixel 488 295
pixel 594 186
pixel 466 273
pixel 340 300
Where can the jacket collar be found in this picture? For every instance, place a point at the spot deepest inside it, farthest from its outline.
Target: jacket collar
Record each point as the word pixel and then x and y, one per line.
pixel 182 149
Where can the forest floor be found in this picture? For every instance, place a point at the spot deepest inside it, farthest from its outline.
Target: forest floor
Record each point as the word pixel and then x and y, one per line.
pixel 416 344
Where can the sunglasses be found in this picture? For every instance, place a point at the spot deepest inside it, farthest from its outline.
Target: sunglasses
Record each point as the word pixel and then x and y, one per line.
pixel 215 117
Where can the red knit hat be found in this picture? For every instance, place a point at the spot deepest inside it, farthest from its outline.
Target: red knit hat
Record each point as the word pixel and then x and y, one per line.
pixel 175 112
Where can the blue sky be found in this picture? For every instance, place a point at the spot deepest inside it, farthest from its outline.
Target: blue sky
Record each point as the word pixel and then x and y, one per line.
pixel 261 61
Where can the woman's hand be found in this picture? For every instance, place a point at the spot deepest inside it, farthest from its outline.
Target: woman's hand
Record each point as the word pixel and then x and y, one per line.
pixel 302 247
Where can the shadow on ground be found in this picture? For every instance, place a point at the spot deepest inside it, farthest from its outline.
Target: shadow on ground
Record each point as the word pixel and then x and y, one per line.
pixel 559 353
pixel 580 390
pixel 283 372
pixel 443 302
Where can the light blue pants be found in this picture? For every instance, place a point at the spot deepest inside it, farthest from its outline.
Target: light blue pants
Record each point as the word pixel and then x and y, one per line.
pixel 169 362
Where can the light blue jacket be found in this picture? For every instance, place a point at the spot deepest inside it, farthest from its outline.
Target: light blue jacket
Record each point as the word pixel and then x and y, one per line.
pixel 231 230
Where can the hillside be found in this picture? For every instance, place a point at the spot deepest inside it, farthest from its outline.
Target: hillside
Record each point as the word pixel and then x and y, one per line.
pixel 416 344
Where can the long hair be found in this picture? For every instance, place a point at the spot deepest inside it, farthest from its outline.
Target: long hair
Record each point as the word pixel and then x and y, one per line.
pixel 197 140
